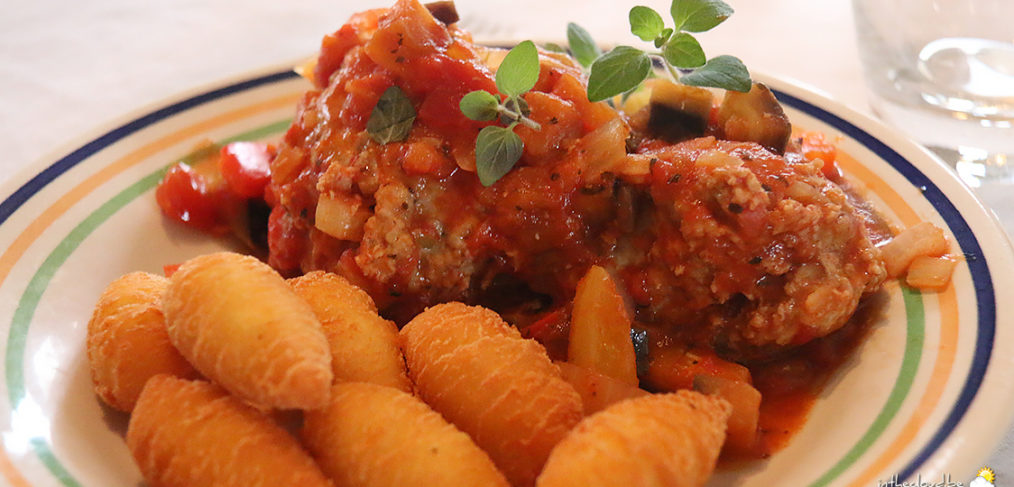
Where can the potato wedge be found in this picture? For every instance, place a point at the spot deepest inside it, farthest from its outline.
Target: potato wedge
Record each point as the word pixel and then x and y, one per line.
pixel 600 328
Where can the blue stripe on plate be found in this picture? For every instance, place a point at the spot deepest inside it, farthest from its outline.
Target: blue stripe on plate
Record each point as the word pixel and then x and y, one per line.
pixel 46 176
pixel 981 278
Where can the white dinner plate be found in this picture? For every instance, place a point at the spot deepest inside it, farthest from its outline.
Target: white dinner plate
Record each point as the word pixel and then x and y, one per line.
pixel 929 393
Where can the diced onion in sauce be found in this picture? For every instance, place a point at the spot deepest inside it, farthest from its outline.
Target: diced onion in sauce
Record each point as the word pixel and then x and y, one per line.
pixel 927 272
pixel 924 239
pixel 341 217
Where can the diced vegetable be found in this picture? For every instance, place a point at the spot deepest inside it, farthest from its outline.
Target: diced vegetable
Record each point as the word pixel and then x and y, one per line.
pixel 600 328
pixel 678 112
pixel 755 116
pixel 815 146
pixel 741 434
pixel 597 391
pixel 672 369
pixel 552 330
pixel 444 11
pixel 246 167
pixel 930 272
pixel 924 239
pixel 169 269
pixel 604 149
pixel 184 196
pixel 340 216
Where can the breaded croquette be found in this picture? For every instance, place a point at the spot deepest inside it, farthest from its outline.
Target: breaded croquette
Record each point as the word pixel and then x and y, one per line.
pixel 193 434
pixel 657 440
pixel 364 346
pixel 238 322
pixel 128 342
pixel 477 371
pixel 376 436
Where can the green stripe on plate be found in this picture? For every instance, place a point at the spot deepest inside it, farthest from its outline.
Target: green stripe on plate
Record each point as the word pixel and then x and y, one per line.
pixel 916 332
pixel 15 352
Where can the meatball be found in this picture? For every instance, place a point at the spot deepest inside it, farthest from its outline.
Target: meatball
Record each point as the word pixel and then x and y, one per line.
pixel 724 243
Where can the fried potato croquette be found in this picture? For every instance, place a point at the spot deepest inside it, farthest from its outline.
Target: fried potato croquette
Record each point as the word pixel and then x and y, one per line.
pixel 668 440
pixel 377 436
pixel 128 342
pixel 364 346
pixel 477 371
pixel 193 434
pixel 238 322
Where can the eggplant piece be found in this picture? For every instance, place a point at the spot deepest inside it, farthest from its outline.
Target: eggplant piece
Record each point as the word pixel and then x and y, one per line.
pixel 754 116
pixel 678 112
pixel 444 11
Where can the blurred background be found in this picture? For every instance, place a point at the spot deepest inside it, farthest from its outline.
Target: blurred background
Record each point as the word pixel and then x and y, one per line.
pixel 73 69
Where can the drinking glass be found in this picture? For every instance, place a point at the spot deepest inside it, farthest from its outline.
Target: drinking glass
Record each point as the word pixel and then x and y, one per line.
pixel 943 72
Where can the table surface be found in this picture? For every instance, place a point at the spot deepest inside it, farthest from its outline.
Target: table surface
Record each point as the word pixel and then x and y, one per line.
pixel 68 67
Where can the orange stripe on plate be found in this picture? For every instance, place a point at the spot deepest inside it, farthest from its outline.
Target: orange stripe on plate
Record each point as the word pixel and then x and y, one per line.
pixel 32 232
pixel 948 303
pixel 10 472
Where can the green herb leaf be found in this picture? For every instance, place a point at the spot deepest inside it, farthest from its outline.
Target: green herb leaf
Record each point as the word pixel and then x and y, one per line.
pixel 683 51
pixel 392 117
pixel 699 15
pixel 519 70
pixel 725 72
pixel 554 47
pixel 645 23
pixel 497 149
pixel 617 71
pixel 663 36
pixel 479 105
pixel 582 45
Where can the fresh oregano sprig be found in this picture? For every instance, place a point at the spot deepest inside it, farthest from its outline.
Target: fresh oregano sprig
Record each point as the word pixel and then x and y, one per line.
pixel 498 148
pixel 624 68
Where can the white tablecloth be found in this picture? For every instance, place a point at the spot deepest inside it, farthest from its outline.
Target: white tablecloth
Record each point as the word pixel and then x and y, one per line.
pixel 69 66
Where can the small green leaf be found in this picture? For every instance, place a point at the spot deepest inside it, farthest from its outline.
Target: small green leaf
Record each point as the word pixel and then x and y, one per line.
pixel 582 45
pixel 392 117
pixel 519 70
pixel 617 71
pixel 479 105
pixel 725 72
pixel 683 51
pixel 554 47
pixel 699 15
pixel 645 23
pixel 497 149
pixel 663 36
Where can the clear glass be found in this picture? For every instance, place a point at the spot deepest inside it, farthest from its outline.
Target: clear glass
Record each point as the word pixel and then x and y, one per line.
pixel 943 71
